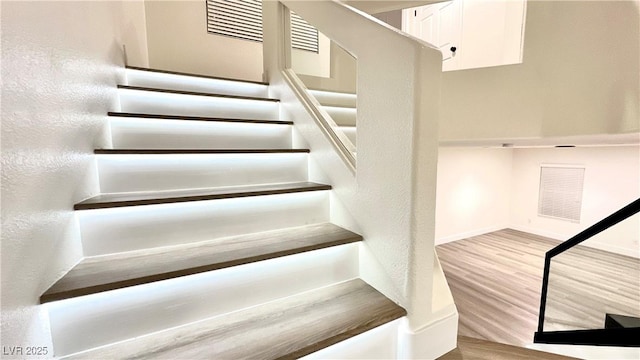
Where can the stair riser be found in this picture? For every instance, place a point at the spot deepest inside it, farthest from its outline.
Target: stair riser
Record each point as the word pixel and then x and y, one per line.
pixel 328 98
pixel 342 116
pixel 107 231
pixel 179 104
pixel 378 343
pixel 124 173
pixel 191 83
pixel 350 131
pixel 86 322
pixel 178 134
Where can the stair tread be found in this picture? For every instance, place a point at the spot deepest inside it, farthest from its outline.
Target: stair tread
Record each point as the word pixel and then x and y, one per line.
pixel 196 93
pixel 112 200
pixel 194 75
pixel 195 118
pixel 284 329
pixel 195 151
pixel 108 272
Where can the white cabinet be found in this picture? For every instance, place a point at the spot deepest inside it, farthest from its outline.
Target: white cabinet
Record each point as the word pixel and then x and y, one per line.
pixel 470 33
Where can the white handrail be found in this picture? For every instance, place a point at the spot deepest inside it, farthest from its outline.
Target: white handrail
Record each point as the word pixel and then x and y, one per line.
pixel 392 194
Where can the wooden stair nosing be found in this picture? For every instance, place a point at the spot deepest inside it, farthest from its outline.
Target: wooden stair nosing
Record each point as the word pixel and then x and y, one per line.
pixel 195 151
pixel 195 118
pixel 137 199
pixel 115 265
pixel 283 329
pixel 196 93
pixel 195 75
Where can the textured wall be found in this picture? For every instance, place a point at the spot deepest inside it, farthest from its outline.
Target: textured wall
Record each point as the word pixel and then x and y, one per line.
pixel 60 64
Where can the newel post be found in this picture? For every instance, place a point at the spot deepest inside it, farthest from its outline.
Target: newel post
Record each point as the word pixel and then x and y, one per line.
pixel 276 42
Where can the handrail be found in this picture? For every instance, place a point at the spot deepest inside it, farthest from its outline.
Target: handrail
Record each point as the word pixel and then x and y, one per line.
pixel 611 220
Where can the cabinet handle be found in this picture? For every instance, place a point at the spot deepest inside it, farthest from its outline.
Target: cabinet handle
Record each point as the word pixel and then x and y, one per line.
pixel 453 49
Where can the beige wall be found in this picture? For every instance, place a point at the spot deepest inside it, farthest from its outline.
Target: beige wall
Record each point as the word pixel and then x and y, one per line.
pixel 393 18
pixel 178 40
pixel 311 63
pixel 580 75
pixel 134 33
pixel 342 75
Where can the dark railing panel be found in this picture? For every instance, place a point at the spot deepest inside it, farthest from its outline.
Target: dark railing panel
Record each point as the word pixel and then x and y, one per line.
pixel 582 285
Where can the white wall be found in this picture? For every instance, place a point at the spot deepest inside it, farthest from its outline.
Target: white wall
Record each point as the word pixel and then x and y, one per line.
pixel 178 40
pixel 61 62
pixel 342 77
pixel 579 76
pixel 611 181
pixel 482 190
pixel 473 192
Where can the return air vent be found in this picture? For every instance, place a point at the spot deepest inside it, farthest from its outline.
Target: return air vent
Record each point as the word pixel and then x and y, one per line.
pixel 561 192
pixel 242 19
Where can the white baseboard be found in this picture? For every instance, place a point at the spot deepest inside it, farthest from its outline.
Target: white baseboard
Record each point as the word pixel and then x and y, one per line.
pixel 431 341
pixel 593 244
pixel 468 234
pixel 539 232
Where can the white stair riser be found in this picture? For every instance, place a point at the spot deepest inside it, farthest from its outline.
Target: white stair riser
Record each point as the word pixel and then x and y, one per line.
pixel 342 116
pixel 193 83
pixel 125 173
pixel 350 131
pixel 94 320
pixel 334 98
pixel 377 343
pixel 106 231
pixel 132 133
pixel 152 102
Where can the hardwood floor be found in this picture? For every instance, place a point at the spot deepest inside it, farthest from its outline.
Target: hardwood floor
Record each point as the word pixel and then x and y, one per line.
pixel 476 349
pixel 496 281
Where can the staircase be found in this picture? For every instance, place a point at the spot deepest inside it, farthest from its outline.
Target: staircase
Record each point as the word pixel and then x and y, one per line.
pixel 342 109
pixel 208 239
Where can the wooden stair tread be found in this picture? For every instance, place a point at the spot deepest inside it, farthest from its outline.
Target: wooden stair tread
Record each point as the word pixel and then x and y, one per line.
pixel 194 151
pixel 114 271
pixel 195 118
pixel 195 93
pixel 194 75
pixel 284 329
pixel 176 196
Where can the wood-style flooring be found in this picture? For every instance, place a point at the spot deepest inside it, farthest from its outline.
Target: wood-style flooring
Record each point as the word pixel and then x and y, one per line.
pixel 476 349
pixel 496 281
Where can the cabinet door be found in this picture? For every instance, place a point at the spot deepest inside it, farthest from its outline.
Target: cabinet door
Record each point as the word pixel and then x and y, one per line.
pixel 441 26
pixel 483 32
